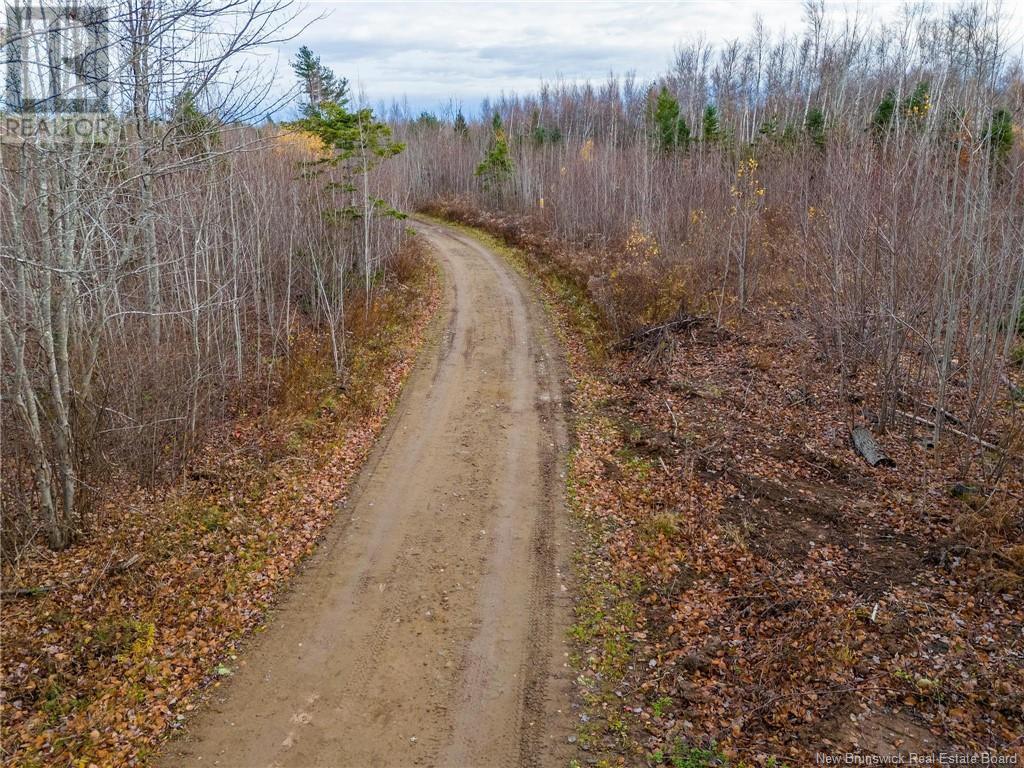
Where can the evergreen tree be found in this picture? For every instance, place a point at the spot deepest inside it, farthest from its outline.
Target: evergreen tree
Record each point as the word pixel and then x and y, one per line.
pixel 542 135
pixel 496 166
pixel 358 142
pixel 710 128
pixel 319 83
pixel 671 128
pixel 815 127
pixel 789 135
pixel 919 100
pixel 536 129
pixel 884 113
pixel 666 119
pixel 193 131
pixel 917 105
pixel 683 134
pixel 460 125
pixel 1000 136
pixel 427 120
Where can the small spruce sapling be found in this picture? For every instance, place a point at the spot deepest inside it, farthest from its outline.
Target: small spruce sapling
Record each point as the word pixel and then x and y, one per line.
pixel 667 120
pixel 884 113
pixel 815 127
pixel 710 129
pixel 193 131
pixel 496 167
pixel 1000 135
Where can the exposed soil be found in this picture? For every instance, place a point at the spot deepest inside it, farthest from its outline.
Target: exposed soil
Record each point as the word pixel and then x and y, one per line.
pixel 429 627
pixel 752 592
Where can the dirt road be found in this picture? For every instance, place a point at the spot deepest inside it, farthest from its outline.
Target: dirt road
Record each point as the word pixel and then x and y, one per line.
pixel 428 629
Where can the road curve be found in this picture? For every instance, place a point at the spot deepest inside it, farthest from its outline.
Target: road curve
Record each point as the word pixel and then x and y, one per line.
pixel 429 627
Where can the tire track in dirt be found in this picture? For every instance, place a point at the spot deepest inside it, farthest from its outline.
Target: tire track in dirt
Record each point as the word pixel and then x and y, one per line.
pixel 429 626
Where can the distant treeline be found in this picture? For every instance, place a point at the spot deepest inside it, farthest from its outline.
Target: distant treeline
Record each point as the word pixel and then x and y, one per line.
pixel 867 176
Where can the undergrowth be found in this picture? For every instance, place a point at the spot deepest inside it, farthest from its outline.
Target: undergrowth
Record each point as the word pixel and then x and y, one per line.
pixel 126 630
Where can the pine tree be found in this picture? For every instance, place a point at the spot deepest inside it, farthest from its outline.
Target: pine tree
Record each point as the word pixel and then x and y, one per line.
pixel 460 126
pixel 354 136
pixel 358 143
pixel 318 81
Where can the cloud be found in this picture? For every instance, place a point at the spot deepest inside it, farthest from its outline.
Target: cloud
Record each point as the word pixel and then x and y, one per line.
pixel 432 52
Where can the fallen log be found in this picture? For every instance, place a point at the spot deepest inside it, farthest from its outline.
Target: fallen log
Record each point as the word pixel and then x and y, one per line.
pixel 934 410
pixel 867 447
pixel 958 432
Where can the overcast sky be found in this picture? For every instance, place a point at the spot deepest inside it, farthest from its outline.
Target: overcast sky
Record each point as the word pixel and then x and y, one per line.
pixel 431 52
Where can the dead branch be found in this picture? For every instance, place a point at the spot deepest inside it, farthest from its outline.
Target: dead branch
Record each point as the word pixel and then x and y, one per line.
pixel 958 432
pixel 646 335
pixel 25 592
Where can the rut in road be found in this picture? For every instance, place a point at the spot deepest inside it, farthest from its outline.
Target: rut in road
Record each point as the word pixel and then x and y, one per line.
pixel 429 627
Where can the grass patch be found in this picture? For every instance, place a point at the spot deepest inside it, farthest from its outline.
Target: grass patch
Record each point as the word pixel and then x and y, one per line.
pixel 683 755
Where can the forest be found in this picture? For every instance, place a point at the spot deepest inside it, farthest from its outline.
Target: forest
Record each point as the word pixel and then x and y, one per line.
pixel 787 276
